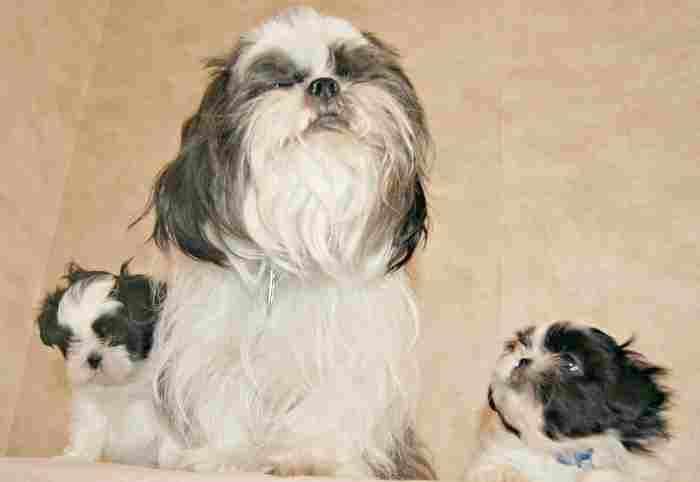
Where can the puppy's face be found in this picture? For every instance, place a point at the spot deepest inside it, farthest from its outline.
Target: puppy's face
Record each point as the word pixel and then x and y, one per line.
pixel 566 381
pixel 102 323
pixel 308 147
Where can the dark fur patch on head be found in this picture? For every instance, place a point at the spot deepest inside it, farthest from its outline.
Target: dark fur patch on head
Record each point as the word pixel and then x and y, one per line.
pixel 274 69
pixel 613 388
pixel 131 325
pixel 51 333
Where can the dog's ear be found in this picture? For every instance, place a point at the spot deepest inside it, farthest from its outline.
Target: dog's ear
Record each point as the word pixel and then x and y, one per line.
pixel 137 292
pixel 639 400
pixel 419 150
pixel 50 332
pixel 412 230
pixel 75 272
pixel 187 214
pixel 124 268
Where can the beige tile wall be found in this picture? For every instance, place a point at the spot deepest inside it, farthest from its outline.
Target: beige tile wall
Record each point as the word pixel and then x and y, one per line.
pixel 49 55
pixel 567 181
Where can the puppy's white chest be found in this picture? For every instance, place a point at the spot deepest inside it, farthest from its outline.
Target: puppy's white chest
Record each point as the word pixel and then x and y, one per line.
pixel 540 467
pixel 132 434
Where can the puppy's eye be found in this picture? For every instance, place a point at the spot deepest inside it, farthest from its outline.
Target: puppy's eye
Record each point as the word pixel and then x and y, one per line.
pixel 570 364
pixel 100 329
pixel 509 346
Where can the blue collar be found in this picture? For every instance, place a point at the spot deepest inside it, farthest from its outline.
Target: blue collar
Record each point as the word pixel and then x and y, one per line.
pixel 582 459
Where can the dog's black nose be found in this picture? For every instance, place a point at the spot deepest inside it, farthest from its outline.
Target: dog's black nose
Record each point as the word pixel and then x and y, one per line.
pixel 324 87
pixel 524 362
pixel 94 360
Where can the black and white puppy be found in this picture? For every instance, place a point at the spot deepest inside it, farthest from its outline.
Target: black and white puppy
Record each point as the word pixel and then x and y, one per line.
pixel 568 403
pixel 103 325
pixel 286 343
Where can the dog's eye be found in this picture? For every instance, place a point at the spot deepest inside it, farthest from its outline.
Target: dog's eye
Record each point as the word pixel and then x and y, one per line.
pixel 282 84
pixel 570 364
pixel 297 78
pixel 343 71
pixel 100 329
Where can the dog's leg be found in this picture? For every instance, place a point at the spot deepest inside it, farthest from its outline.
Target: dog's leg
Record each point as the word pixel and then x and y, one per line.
pixel 168 451
pixel 218 460
pixel 88 432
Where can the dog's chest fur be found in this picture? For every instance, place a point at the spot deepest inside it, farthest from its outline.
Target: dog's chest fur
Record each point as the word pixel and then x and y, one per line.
pixel 309 363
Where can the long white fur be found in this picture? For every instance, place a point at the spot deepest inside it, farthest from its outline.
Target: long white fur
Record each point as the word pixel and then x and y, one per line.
pixel 326 373
pixel 314 370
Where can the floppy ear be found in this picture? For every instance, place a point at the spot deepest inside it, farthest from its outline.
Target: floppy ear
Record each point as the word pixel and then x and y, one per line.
pixel 136 293
pixel 187 213
pixel 412 230
pixel 413 227
pixel 639 400
pixel 50 332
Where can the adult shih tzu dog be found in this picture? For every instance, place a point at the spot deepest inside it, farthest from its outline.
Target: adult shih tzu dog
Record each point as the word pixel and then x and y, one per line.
pixel 568 403
pixel 288 217
pixel 103 325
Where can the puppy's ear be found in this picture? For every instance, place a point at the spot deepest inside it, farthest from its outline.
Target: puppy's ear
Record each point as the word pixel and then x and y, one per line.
pixel 124 268
pixel 412 230
pixel 187 213
pixel 74 272
pixel 639 400
pixel 50 332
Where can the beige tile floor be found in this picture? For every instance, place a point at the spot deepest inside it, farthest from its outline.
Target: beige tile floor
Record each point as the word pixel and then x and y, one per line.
pixel 566 184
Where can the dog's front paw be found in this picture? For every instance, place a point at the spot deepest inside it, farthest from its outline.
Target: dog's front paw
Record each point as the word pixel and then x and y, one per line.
pixel 601 476
pixel 214 460
pixel 205 460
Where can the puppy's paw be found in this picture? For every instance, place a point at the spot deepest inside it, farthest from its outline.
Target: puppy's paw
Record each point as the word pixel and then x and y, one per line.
pixel 71 456
pixel 602 476
pixel 496 474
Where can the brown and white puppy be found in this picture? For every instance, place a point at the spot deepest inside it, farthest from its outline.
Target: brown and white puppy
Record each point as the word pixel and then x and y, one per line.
pixel 568 403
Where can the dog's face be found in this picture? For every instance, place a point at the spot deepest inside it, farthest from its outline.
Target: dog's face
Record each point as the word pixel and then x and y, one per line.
pixel 309 148
pixel 102 323
pixel 566 381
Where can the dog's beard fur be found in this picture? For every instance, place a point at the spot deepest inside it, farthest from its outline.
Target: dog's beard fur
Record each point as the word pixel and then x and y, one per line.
pixel 329 197
pixel 562 388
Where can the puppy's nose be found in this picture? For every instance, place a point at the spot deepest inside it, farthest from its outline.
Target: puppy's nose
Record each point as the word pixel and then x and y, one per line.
pixel 94 360
pixel 324 88
pixel 524 362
